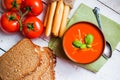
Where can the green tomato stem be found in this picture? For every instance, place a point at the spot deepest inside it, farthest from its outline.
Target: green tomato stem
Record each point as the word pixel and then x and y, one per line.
pixel 20 22
pixel 22 16
pixel 15 5
pixel 12 17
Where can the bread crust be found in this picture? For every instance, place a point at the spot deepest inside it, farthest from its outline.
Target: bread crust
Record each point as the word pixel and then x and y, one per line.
pixel 50 73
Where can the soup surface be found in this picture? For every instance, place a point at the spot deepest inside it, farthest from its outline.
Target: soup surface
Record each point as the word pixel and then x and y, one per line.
pixel 78 31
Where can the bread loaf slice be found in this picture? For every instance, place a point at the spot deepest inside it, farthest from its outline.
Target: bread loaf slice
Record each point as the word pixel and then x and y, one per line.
pixel 45 62
pixel 46 70
pixel 49 74
pixel 19 61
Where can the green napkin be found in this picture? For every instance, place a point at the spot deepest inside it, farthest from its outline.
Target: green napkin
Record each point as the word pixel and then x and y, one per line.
pixel 111 31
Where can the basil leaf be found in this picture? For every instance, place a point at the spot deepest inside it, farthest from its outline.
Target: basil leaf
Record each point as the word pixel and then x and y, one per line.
pixel 89 39
pixel 83 46
pixel 89 46
pixel 77 43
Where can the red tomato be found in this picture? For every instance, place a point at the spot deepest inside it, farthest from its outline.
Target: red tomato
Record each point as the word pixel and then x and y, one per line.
pixel 35 6
pixel 9 22
pixel 32 27
pixel 12 4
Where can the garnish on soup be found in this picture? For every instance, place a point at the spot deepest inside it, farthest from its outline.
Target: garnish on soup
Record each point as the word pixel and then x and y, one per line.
pixel 88 41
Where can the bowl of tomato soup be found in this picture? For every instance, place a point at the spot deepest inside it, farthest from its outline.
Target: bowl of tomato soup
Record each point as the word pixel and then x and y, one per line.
pixel 83 42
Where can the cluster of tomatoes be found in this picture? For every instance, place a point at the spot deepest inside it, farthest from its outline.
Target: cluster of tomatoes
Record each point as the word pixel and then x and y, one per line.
pixel 20 15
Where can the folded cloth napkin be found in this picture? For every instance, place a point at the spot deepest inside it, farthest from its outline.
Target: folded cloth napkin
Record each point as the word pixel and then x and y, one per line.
pixel 111 31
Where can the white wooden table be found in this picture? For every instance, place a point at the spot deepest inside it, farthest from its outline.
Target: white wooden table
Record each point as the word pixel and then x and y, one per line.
pixel 66 70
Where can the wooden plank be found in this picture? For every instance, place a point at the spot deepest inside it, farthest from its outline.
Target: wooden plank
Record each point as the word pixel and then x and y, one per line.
pixel 112 4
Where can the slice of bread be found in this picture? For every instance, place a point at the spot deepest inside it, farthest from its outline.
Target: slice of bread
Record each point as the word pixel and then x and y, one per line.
pixel 19 61
pixel 49 74
pixel 45 62
pixel 46 70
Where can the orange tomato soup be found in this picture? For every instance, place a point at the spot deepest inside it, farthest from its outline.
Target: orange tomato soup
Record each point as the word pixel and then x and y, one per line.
pixel 79 31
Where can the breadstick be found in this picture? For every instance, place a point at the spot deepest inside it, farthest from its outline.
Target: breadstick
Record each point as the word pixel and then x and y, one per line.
pixel 64 20
pixel 50 18
pixel 58 18
pixel 46 16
